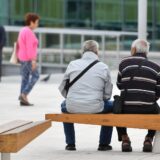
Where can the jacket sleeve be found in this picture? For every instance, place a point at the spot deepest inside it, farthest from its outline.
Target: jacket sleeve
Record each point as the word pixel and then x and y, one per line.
pixel 108 86
pixel 119 77
pixel 119 80
pixel 62 84
pixel 158 87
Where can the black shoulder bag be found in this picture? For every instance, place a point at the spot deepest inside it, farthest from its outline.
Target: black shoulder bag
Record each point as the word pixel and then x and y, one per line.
pixel 69 84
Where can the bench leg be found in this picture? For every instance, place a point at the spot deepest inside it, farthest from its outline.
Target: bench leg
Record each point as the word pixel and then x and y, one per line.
pixel 5 156
pixel 156 144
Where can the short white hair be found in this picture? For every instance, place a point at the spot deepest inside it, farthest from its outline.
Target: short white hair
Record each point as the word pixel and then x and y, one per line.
pixel 141 45
pixel 90 45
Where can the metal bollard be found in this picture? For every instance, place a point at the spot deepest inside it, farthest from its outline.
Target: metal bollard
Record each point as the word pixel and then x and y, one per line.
pixel 156 144
pixel 5 156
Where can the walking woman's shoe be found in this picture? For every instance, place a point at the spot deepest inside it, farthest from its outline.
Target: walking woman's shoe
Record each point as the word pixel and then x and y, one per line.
pixel 25 104
pixel 126 144
pixel 147 145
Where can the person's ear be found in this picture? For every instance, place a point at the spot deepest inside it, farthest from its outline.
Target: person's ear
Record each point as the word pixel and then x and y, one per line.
pixel 31 23
pixel 133 50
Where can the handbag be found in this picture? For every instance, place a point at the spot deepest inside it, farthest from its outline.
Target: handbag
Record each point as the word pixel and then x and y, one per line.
pixel 68 84
pixel 14 58
pixel 117 104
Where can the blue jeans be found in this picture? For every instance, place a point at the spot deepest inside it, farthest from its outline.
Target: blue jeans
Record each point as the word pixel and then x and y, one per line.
pixel 27 81
pixel 105 132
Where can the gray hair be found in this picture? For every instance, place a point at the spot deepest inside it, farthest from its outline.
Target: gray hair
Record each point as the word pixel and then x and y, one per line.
pixel 141 45
pixel 90 45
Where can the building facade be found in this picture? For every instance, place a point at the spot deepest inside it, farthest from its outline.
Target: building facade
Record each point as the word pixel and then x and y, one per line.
pixel 120 15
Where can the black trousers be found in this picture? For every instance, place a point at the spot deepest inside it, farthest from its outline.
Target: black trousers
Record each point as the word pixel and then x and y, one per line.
pixel 0 63
pixel 138 110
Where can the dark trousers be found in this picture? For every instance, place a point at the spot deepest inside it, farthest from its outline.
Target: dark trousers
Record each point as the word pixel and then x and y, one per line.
pixel 138 110
pixel 0 63
pixel 105 132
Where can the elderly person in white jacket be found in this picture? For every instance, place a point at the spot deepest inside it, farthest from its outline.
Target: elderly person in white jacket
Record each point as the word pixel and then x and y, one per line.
pixel 89 94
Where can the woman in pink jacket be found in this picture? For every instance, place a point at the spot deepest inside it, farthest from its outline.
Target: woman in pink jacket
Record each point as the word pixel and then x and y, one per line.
pixel 27 55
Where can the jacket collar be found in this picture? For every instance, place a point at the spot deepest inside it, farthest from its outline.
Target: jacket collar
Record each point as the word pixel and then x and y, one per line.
pixel 140 55
pixel 89 55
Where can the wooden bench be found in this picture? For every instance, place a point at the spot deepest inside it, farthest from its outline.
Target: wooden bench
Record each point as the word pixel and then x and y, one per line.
pixel 16 134
pixel 142 121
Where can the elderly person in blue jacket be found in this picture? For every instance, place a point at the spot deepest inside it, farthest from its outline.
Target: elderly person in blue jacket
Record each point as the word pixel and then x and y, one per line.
pixel 89 94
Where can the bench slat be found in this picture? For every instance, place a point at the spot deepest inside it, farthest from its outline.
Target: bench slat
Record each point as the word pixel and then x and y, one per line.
pixel 12 125
pixel 23 128
pixel 142 121
pixel 13 141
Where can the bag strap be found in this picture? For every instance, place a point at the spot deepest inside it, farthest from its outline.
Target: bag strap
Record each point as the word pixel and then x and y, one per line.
pixel 83 72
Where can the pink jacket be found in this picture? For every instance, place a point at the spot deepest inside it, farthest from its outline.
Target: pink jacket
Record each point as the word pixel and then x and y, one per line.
pixel 27 45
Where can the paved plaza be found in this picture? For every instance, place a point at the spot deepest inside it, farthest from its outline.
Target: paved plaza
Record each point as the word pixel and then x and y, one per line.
pixel 50 145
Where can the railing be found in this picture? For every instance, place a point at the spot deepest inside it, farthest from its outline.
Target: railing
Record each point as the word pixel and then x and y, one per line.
pixel 102 35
